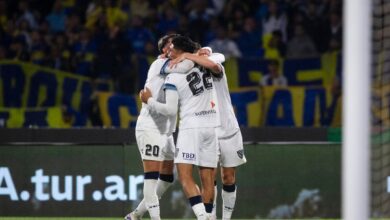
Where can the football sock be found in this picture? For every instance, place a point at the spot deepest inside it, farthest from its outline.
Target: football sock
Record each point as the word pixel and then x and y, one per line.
pixel 150 195
pixel 163 183
pixel 208 207
pixel 229 200
pixel 214 212
pixel 198 207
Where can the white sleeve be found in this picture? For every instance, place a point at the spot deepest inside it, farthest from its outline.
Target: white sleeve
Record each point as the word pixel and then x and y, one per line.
pixel 169 108
pixel 217 57
pixel 182 67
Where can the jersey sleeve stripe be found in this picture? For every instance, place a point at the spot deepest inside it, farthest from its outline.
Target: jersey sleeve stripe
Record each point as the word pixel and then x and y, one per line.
pixel 162 71
pixel 170 86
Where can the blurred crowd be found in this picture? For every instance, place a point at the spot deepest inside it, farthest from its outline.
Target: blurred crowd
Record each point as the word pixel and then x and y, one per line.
pixel 102 39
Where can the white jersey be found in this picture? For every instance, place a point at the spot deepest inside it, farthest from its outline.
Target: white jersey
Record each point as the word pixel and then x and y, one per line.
pixel 229 124
pixel 149 119
pixel 197 99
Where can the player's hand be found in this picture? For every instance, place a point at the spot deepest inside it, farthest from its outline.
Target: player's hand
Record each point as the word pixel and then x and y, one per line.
pixel 174 62
pixel 145 94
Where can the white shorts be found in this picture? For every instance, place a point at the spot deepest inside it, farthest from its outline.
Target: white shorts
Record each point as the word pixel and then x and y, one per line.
pixel 155 146
pixel 231 150
pixel 197 146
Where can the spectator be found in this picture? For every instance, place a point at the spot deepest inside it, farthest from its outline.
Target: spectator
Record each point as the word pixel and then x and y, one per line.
pixel 276 19
pixel 233 6
pixel 262 10
pixel 273 77
pixel 3 13
pixel 224 45
pixel 84 51
pixel 113 55
pixel 5 37
pixel 276 48
pixel 24 31
pixel 139 8
pixel 60 53
pixel 313 24
pixel 184 25
pixel 301 45
pixel 57 17
pixel 211 33
pixel 3 52
pixel 73 23
pixel 18 50
pixel 107 10
pixel 249 40
pixel 169 21
pixel 333 29
pixel 138 35
pixel 199 18
pixel 38 49
pixel 27 15
pixel 236 23
pixel 296 18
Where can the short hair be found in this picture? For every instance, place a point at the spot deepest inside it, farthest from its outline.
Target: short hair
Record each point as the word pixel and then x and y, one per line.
pixel 197 46
pixel 162 42
pixel 184 43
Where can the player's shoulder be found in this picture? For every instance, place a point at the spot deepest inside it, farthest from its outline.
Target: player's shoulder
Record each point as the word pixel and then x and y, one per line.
pixel 157 65
pixel 159 62
pixel 174 76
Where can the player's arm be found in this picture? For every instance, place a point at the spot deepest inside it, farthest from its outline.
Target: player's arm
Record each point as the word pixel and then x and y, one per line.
pixel 169 108
pixel 218 58
pixel 201 60
pixel 182 67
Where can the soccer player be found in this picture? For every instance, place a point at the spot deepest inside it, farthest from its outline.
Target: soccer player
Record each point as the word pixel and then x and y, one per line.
pixel 230 144
pixel 196 145
pixel 154 138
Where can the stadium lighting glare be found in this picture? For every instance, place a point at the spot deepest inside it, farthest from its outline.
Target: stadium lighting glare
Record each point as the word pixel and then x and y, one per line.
pixel 356 110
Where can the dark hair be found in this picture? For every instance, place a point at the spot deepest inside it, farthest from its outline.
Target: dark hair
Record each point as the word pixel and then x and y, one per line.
pixel 162 42
pixel 197 46
pixel 184 43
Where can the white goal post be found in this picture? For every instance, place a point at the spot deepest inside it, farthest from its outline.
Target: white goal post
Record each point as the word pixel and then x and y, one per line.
pixel 356 109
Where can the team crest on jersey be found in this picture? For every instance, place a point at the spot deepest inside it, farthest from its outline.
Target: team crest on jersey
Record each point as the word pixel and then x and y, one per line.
pixel 212 104
pixel 240 153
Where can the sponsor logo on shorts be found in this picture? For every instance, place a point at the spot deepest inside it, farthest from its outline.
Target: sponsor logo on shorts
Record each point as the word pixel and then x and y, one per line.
pixel 208 112
pixel 188 156
pixel 240 153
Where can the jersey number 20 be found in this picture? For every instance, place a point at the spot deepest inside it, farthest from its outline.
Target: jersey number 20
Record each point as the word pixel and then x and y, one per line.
pixel 152 150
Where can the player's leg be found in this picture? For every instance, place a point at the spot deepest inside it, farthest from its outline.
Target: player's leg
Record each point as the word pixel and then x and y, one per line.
pixel 151 174
pixel 186 156
pixel 207 179
pixel 213 215
pixel 149 145
pixel 232 156
pixel 166 169
pixel 164 181
pixel 166 177
pixel 229 192
pixel 214 212
pixel 191 190
pixel 208 160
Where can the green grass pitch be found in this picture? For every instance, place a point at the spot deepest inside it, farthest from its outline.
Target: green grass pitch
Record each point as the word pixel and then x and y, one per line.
pixel 119 218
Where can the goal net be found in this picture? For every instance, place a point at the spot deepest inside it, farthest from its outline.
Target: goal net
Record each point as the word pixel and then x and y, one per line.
pixel 380 104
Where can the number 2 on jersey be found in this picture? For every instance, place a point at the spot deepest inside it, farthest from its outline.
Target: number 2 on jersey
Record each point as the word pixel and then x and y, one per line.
pixel 194 81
